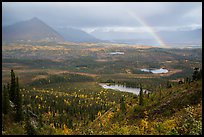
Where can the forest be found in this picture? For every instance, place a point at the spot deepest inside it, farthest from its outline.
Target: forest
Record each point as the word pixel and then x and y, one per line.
pixel 54 90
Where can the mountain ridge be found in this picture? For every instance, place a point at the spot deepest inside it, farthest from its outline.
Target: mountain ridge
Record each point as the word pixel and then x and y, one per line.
pixel 77 35
pixel 179 36
pixel 37 30
pixel 30 30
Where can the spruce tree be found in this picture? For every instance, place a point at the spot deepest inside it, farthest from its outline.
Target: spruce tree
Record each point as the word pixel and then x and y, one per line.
pixel 187 81
pixel 196 74
pixel 70 123
pixel 8 88
pixel 160 93
pixel 12 93
pixel 18 103
pixel 168 85
pixel 122 105
pixel 5 100
pixel 141 96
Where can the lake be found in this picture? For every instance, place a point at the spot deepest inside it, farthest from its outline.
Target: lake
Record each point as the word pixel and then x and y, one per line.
pixel 155 71
pixel 117 53
pixel 122 88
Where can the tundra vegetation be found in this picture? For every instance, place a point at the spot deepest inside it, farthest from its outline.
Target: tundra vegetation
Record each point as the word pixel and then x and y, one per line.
pixel 53 89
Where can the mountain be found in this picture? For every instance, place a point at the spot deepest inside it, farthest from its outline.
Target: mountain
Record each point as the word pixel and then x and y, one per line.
pixel 77 35
pixel 169 37
pixel 182 36
pixel 30 30
pixel 118 35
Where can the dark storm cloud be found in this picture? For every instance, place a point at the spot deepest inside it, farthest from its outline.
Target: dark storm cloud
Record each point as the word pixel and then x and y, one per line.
pixel 67 14
pixel 96 15
pixel 178 14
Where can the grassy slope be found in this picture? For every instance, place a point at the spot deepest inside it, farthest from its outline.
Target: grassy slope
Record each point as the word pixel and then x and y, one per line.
pixel 177 111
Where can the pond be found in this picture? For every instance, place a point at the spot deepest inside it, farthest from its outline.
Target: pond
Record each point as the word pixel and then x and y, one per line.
pixel 117 53
pixel 155 71
pixel 122 88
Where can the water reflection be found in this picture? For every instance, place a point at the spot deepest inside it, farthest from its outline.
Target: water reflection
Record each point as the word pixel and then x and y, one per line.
pixel 117 53
pixel 155 71
pixel 122 88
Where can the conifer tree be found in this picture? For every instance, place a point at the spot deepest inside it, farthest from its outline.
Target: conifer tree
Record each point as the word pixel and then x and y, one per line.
pixel 141 96
pixel 5 100
pixel 18 102
pixel 8 88
pixel 168 85
pixel 12 93
pixel 70 123
pixel 187 80
pixel 122 105
pixel 197 74
pixel 160 93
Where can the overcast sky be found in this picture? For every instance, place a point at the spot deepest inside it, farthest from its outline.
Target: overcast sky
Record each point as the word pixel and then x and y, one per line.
pixel 107 16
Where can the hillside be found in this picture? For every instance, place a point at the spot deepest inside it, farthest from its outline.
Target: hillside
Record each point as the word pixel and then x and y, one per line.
pixel 62 93
pixel 173 111
pixel 176 110
pixel 76 35
pixel 30 30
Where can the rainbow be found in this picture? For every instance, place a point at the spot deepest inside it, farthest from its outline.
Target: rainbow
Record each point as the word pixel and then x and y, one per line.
pixel 149 28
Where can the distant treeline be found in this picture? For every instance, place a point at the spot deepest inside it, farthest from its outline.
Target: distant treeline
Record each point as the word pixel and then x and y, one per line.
pixel 61 78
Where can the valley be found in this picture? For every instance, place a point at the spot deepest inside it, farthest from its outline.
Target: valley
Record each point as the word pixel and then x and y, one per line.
pixel 85 59
pixel 60 83
pixel 102 68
